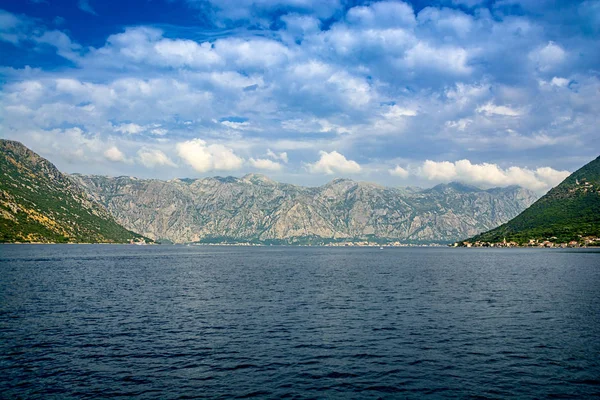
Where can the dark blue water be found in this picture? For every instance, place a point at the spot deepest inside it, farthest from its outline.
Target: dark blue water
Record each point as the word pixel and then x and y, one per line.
pixel 188 322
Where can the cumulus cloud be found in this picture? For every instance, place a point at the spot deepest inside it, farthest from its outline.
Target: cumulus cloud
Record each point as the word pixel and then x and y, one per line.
pixel 489 175
pixel 548 57
pixel 447 58
pixel 147 45
pixel 114 154
pixel 399 171
pixel 152 158
pixel 551 176
pixel 266 164
pixel 333 162
pixel 203 157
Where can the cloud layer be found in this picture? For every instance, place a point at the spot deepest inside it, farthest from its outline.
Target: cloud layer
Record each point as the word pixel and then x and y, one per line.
pixel 496 94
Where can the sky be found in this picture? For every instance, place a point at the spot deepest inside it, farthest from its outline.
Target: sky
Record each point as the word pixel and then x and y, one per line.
pixel 485 92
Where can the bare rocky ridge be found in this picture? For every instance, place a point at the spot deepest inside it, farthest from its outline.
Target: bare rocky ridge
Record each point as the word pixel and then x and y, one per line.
pixel 256 208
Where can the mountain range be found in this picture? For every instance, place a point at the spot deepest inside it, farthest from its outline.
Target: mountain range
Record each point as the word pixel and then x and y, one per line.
pixel 257 209
pixel 38 203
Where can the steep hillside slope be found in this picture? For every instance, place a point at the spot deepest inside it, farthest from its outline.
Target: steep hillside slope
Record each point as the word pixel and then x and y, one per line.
pixel 40 204
pixel 568 212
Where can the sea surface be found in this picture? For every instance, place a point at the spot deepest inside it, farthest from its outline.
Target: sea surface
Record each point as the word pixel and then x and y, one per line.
pixel 100 321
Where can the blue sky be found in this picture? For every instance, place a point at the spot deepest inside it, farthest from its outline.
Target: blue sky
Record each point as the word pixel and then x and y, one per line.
pixel 491 93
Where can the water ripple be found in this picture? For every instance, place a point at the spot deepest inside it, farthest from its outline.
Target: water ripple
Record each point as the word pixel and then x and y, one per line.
pixel 172 322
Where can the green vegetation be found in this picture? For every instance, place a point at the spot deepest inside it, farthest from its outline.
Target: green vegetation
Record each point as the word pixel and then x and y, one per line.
pixel 570 211
pixel 40 204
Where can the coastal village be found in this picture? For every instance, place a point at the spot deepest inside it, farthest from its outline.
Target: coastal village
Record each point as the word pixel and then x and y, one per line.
pixel 589 241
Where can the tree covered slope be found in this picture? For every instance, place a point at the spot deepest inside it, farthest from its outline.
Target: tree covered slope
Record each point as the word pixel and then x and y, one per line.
pixel 568 212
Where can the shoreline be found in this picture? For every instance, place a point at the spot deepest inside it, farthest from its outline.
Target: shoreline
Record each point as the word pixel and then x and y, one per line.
pixel 382 247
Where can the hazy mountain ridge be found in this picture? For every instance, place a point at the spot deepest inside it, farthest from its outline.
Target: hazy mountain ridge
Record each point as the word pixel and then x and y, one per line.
pixel 568 212
pixel 256 208
pixel 38 203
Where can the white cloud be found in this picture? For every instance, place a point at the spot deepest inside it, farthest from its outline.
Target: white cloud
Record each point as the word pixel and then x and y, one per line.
pixel 492 109
pixel 130 129
pixel 399 171
pixel 334 162
pixel 395 112
pixel 548 57
pixel 236 125
pixel 446 21
pixel 382 14
pixel 152 158
pixel 461 124
pixel 438 171
pixel 204 158
pixel 147 45
pixel 114 154
pixel 488 175
pixel 266 164
pixel 63 44
pixel 185 53
pixel 447 58
pixel 283 156
pixel 257 52
pixel 159 131
pixel 560 82
pixel 356 91
pixel 551 176
pixel 375 80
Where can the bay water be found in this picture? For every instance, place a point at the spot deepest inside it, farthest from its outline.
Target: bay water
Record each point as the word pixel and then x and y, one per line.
pixel 99 321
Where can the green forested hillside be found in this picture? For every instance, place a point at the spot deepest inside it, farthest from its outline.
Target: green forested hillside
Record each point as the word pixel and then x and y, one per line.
pixel 570 211
pixel 40 204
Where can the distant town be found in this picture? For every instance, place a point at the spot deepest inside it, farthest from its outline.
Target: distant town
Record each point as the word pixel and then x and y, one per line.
pixel 590 241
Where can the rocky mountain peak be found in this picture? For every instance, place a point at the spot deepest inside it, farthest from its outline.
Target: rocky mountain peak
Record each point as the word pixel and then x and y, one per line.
pixel 258 179
pixel 456 186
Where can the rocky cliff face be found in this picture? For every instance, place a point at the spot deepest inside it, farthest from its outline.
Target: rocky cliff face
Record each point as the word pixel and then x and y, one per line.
pixel 255 208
